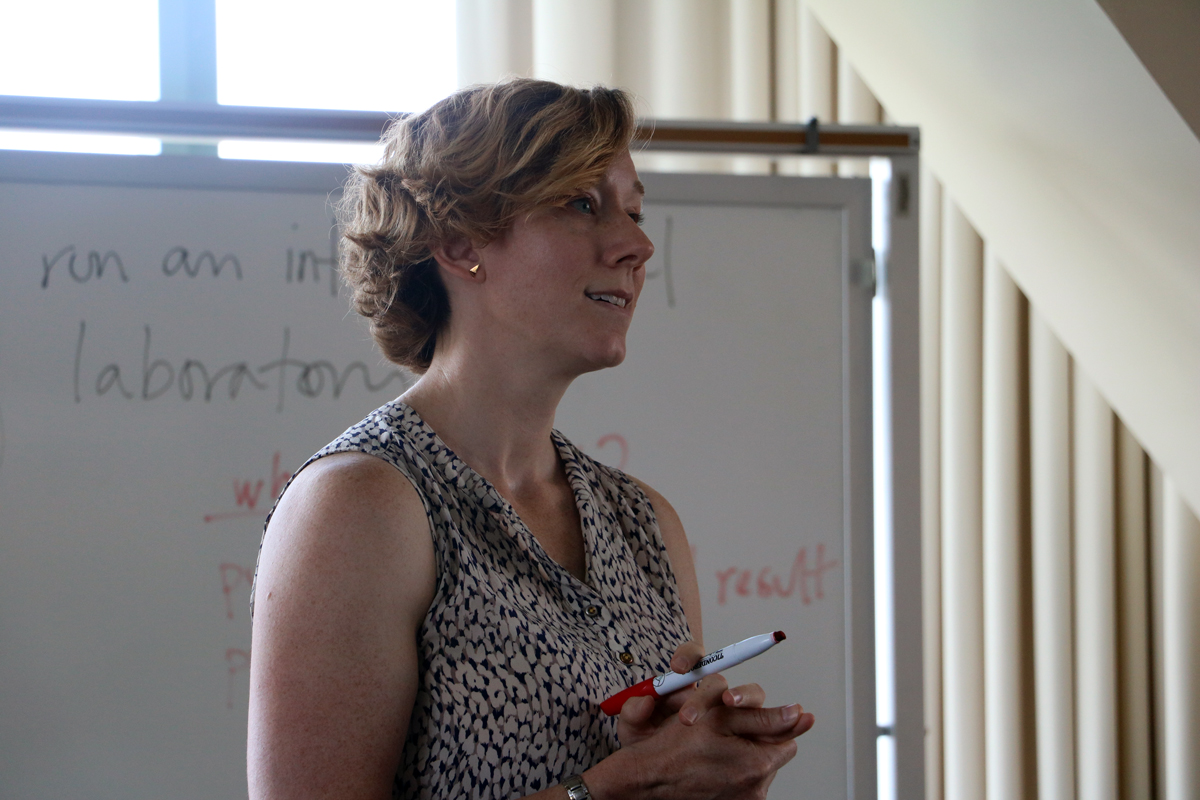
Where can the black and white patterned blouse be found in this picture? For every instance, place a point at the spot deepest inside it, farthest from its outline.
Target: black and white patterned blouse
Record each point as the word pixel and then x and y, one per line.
pixel 516 653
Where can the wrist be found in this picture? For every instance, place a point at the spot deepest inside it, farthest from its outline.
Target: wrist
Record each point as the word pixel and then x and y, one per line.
pixel 615 778
pixel 577 788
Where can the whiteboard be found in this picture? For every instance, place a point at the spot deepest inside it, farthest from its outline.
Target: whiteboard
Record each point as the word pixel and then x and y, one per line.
pixel 172 345
pixel 744 399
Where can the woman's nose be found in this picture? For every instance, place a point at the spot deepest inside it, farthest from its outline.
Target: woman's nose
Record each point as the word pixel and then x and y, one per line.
pixel 633 247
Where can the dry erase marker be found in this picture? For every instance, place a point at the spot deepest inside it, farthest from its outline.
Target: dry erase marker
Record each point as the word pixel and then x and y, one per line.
pixel 711 664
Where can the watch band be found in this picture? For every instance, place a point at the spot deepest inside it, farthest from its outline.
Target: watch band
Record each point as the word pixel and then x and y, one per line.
pixel 576 788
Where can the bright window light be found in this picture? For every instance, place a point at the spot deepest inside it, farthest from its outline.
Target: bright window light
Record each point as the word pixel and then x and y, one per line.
pixel 885 616
pixel 885 623
pixel 81 48
pixel 885 751
pixel 79 143
pixel 275 150
pixel 373 55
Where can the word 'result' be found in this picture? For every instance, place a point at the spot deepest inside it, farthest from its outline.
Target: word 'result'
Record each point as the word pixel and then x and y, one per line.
pixel 766 583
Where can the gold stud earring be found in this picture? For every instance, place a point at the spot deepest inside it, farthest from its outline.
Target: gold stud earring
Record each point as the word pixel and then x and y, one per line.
pixel 475 270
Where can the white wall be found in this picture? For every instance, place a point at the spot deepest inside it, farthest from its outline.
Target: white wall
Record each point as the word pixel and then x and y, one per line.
pixel 1064 153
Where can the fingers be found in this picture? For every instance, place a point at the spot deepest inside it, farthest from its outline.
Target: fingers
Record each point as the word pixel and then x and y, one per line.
pixel 750 695
pixel 639 719
pixel 705 696
pixel 637 711
pixel 686 656
pixel 672 703
pixel 766 724
pixel 802 726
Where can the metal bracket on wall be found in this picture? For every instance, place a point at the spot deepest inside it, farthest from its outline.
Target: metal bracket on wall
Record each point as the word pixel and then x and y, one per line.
pixel 863 274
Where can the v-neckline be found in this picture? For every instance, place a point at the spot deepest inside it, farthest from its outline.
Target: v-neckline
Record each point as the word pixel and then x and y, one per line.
pixel 581 493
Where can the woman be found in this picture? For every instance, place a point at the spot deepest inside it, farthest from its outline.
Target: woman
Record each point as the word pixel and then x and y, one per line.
pixel 447 591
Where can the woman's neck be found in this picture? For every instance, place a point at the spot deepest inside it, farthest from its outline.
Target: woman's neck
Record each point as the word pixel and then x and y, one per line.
pixel 496 415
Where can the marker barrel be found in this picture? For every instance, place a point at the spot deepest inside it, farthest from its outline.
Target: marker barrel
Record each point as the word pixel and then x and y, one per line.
pixel 714 662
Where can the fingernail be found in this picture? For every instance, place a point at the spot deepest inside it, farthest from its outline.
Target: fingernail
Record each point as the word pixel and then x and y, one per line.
pixel 791 713
pixel 688 715
pixel 737 697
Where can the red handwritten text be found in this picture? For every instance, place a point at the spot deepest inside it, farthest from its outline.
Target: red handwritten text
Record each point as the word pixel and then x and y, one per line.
pixel 619 441
pixel 246 493
pixel 809 581
pixel 234 576
pixel 236 660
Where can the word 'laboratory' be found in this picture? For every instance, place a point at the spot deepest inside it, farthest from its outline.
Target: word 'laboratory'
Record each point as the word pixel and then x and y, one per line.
pixel 193 379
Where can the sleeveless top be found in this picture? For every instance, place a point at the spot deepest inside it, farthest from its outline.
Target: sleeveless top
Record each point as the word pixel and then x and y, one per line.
pixel 516 653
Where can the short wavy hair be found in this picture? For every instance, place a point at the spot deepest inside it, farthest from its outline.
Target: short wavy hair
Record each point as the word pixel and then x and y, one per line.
pixel 465 168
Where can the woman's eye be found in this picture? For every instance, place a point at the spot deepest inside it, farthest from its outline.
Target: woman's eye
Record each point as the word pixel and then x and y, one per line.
pixel 582 204
pixel 638 217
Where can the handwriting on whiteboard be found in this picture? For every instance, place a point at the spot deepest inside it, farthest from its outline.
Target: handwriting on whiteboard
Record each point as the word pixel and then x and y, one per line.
pixel 805 580
pixel 233 577
pixel 96 263
pixel 236 660
pixel 622 445
pixel 79 267
pixel 247 492
pixel 239 579
pixel 307 264
pixel 236 578
pixel 180 259
pixel 177 261
pixel 144 378
pixel 665 270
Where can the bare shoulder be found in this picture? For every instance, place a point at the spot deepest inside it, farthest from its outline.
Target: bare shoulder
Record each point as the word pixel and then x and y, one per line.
pixel 345 514
pixel 346 576
pixel 679 551
pixel 367 482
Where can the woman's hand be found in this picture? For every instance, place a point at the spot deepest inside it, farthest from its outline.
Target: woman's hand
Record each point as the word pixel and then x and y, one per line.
pixel 707 741
pixel 641 716
pixel 741 708
pixel 710 748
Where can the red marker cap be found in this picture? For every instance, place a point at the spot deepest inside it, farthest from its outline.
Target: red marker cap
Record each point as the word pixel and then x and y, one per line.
pixel 612 706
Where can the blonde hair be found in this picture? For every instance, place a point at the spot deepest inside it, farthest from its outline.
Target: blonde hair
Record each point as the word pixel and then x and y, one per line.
pixel 465 168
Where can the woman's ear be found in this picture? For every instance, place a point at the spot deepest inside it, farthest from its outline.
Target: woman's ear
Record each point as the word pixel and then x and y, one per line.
pixel 460 259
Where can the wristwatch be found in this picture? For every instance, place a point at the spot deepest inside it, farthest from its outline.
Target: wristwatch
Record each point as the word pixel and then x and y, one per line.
pixel 576 788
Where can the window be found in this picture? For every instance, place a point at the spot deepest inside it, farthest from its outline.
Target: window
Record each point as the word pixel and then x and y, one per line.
pixel 81 49
pixel 376 55
pixel 382 55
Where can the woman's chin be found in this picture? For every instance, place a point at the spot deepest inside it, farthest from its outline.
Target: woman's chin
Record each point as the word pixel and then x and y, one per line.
pixel 609 357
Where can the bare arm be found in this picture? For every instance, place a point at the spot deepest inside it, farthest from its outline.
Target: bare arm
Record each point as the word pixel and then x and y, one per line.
pixel 345 579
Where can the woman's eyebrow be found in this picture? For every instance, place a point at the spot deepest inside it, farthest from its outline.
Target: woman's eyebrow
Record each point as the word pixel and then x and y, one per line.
pixel 639 188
